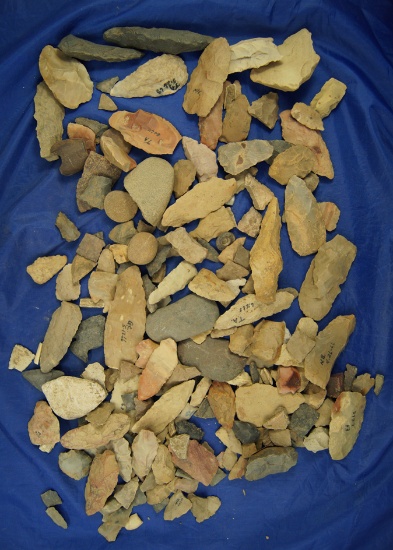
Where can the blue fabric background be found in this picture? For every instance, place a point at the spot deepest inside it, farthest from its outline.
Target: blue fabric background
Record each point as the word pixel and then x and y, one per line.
pixel 320 504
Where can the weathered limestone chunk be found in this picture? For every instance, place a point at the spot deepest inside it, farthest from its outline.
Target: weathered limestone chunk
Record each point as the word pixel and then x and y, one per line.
pixel 265 256
pixel 221 399
pixel 185 173
pixel 266 342
pixel 347 419
pixel 75 464
pixel 328 270
pixel 150 185
pixel 200 463
pixel 45 267
pixel 67 228
pixel 162 75
pixel 125 324
pixel 209 286
pixel 207 79
pixel 204 508
pixel 159 40
pixel 90 335
pixel 72 397
pixel 273 460
pixel 307 116
pixel 186 246
pixel 49 114
pixel 237 157
pixel 175 281
pixel 44 427
pixel 62 328
pixel 147 131
pixel 225 366
pixel 101 482
pixel 258 403
pixel 197 203
pixel 295 161
pixel 253 53
pixel 237 120
pixel 297 134
pixel 85 50
pixel 144 451
pixel 20 358
pixel 67 79
pixel 265 109
pixel 158 370
pixel 56 517
pixel 303 217
pixel 166 409
pixel 248 309
pixel 210 126
pixel 202 158
pixel 329 97
pixel 90 436
pixel 296 65
pixel 328 345
pixel 214 224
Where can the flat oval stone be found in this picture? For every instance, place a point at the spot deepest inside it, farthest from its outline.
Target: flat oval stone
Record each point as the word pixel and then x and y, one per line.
pixel 183 319
pixel 213 358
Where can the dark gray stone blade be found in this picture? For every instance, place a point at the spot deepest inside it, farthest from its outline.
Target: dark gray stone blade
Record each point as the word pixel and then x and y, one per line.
pixel 88 51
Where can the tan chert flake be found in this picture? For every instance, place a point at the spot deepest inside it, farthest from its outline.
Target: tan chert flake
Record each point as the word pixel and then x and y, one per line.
pixel 106 103
pixel 297 64
pixel 330 214
pixel 347 419
pixel 295 161
pixel 45 267
pixel 44 427
pixel 78 131
pixel 329 97
pixel 120 253
pixel 179 445
pixel 307 116
pixel 125 324
pixel 20 358
pixel 297 134
pixel 146 131
pixel 67 228
pixel 61 330
pixel 115 149
pixel 237 120
pixel 202 158
pixel 228 438
pixel 222 401
pixel 176 280
pixel 265 109
pixel 248 309
pixel 328 270
pixel 91 437
pixel 67 79
pixel 328 345
pixel 49 114
pixel 265 256
pixel 231 271
pixel 214 224
pixel 197 203
pixel 204 508
pixel 144 451
pixel 325 413
pixel 144 349
pixel 96 372
pixel 237 157
pixel 66 290
pixel 133 522
pixel 185 173
pixel 241 339
pixel 258 403
pixel 210 126
pixel 71 397
pixel 302 340
pixel 250 223
pixel 177 506
pixel 162 75
pixel 200 392
pixel 101 482
pixel 166 409
pixel 207 79
pixel 266 342
pixel 363 383
pixel 379 382
pixel 208 285
pixel 158 370
pixel 186 246
pixel 252 54
pixel 102 286
pixel 303 217
pixel 230 251
pixel 279 420
pixel 231 91
pixel 162 466
pixel 200 463
pixel 259 193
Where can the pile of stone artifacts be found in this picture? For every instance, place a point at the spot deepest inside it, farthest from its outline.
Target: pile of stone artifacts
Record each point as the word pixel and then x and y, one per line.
pixel 210 354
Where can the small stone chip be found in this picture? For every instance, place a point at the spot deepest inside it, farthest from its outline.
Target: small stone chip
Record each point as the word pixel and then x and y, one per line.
pixel 51 498
pixel 20 358
pixel 67 228
pixel 56 517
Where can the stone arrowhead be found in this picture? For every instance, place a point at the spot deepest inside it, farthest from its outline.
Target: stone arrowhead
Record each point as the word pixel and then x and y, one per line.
pixel 303 217
pixel 67 79
pixel 329 97
pixel 328 270
pixel 85 50
pixel 146 131
pixel 106 103
pixel 347 419
pixel 91 437
pixel 62 328
pixel 101 482
pixel 207 79
pixel 237 157
pixel 259 193
pixel 125 324
pixel 49 114
pixel 296 65
pixel 159 40
pixel 150 185
pixel 253 53
pixel 177 506
pixel 161 76
pixel 197 203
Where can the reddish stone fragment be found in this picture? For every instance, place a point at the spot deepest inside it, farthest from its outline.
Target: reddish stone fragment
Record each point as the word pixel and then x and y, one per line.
pixel 44 427
pixel 289 380
pixel 102 480
pixel 335 386
pixel 221 398
pixel 200 463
